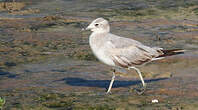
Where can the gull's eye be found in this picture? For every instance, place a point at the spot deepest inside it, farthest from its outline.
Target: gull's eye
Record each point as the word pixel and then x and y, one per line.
pixel 96 24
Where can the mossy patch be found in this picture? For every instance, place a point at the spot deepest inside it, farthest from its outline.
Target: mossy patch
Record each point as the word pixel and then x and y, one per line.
pixel 11 6
pixel 2 102
pixel 83 55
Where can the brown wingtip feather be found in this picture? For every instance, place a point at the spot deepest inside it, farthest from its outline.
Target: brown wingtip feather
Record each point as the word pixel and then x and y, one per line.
pixel 171 52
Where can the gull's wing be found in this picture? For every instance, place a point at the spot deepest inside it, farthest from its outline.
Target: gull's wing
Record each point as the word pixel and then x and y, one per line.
pixel 128 52
pixel 121 42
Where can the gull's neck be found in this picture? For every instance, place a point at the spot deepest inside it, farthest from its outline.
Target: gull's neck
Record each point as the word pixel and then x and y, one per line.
pixel 96 38
pixel 101 32
pixel 98 33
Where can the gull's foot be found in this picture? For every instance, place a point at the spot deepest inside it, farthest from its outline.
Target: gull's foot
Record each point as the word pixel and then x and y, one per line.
pixel 140 90
pixel 108 92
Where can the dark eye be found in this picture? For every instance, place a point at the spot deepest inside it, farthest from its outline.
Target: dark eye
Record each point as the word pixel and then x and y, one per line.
pixel 96 24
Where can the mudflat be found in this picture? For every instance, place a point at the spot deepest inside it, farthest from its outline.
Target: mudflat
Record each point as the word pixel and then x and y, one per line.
pixel 46 62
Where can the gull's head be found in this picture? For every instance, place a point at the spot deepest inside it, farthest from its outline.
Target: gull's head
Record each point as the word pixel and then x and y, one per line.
pixel 99 25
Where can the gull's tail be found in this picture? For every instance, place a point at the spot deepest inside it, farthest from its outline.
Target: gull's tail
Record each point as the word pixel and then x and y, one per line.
pixel 171 52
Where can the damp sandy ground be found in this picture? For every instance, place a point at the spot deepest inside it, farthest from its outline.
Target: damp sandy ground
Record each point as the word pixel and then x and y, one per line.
pixel 46 62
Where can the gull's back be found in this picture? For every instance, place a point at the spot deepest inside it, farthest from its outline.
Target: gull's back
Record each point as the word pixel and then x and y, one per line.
pixel 120 51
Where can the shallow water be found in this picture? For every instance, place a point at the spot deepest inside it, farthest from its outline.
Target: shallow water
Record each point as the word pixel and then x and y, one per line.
pixel 46 62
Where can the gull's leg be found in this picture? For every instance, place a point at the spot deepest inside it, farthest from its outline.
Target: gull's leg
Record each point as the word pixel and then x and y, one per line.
pixel 111 83
pixel 140 75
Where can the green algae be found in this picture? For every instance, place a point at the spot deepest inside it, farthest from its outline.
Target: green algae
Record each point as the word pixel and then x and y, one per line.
pixel 15 51
pixel 2 102
pixel 154 10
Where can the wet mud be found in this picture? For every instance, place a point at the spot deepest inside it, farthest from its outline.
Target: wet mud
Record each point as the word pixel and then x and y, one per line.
pixel 46 62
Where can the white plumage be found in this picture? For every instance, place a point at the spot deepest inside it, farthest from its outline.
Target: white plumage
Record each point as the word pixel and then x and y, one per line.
pixel 118 51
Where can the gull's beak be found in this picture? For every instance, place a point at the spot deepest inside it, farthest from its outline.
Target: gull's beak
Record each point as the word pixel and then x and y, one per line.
pixel 89 27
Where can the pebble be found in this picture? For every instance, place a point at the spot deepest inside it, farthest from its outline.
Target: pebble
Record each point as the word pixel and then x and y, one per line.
pixel 155 101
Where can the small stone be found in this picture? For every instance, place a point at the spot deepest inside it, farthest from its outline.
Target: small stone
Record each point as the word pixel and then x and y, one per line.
pixel 155 101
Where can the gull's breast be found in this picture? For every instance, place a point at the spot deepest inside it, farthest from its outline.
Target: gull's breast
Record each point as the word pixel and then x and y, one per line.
pixel 103 56
pixel 101 52
pixel 100 47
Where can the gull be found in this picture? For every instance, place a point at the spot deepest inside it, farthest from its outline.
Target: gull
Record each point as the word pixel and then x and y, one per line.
pixel 121 52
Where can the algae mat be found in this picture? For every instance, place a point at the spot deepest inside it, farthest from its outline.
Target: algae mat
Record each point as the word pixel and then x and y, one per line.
pixel 46 62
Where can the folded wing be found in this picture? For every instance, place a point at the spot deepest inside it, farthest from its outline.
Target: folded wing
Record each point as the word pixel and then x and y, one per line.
pixel 136 54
